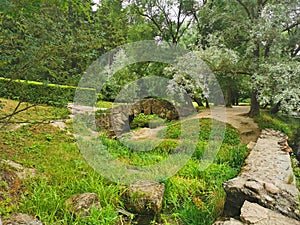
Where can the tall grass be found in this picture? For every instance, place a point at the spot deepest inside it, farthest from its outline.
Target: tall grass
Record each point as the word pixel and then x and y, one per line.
pixel 192 196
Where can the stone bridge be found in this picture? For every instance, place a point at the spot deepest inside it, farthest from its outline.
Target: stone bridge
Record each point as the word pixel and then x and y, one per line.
pixel 117 119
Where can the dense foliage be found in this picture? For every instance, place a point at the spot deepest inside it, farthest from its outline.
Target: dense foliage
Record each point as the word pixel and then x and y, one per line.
pixel 249 45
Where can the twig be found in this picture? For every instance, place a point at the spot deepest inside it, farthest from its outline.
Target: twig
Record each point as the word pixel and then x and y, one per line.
pixel 16 111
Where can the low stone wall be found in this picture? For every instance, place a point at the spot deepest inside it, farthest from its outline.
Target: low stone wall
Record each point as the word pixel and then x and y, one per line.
pixel 266 179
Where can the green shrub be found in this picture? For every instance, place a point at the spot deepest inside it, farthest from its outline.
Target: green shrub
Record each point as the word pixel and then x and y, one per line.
pixel 39 93
pixel 143 120
pixel 266 120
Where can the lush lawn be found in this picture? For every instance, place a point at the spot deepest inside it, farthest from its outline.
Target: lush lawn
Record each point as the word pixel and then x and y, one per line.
pixel 34 114
pixel 191 197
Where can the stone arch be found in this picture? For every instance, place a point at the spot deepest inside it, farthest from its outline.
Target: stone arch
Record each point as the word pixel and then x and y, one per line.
pixel 117 119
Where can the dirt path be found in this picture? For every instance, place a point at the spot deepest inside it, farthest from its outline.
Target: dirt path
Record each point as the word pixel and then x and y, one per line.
pixel 235 116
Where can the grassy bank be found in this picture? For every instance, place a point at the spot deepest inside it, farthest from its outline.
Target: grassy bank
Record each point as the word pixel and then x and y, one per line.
pixel 191 196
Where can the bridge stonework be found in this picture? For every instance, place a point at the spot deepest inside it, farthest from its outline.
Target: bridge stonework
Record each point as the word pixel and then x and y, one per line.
pixel 117 119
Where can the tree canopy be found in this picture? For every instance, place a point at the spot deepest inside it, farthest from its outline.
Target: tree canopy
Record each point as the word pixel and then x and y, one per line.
pixel 251 46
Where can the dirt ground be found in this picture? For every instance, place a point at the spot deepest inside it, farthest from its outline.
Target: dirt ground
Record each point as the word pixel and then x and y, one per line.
pixel 236 116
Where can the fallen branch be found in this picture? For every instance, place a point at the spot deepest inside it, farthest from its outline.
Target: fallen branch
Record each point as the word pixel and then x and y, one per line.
pixel 15 112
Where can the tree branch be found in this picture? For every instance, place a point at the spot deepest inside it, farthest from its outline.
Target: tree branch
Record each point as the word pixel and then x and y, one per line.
pixel 16 111
pixel 183 31
pixel 295 51
pixel 178 19
pixel 245 7
pixel 151 19
pixel 292 26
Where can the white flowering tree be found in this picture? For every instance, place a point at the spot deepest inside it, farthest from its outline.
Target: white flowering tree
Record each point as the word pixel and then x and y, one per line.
pixel 279 85
pixel 270 39
pixel 194 71
pixel 265 36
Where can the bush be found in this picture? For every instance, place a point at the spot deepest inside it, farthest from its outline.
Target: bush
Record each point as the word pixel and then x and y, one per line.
pixel 266 120
pixel 143 120
pixel 39 93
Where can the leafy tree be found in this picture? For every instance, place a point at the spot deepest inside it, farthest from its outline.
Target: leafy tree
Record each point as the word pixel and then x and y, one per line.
pixel 55 41
pixel 111 24
pixel 263 35
pixel 266 45
pixel 279 87
pixel 171 19
pixel 46 43
pixel 220 61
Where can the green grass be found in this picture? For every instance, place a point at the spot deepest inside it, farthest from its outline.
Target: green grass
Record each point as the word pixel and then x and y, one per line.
pixel 35 114
pixel 192 196
pixel 274 121
pixel 288 125
pixel 62 173
pixel 104 104
pixel 174 129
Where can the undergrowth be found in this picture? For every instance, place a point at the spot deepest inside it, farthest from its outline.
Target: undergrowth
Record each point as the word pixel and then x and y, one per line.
pixel 191 196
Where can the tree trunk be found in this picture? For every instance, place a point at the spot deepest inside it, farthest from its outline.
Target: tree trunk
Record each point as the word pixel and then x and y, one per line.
pixel 235 101
pixel 235 98
pixel 228 97
pixel 276 108
pixel 254 110
pixel 206 103
pixel 197 100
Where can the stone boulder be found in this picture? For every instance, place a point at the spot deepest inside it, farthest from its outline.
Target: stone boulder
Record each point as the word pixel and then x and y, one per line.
pixel 228 221
pixel 20 170
pixel 252 213
pixel 81 204
pixel 22 219
pixel 9 179
pixel 145 197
